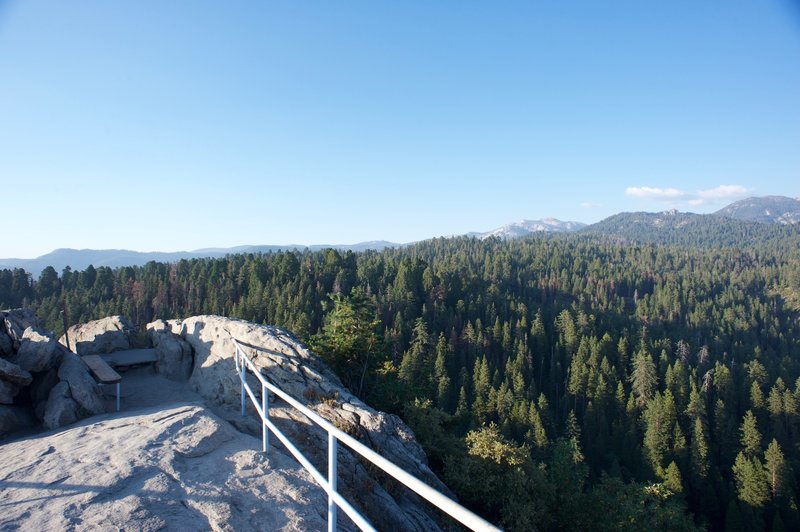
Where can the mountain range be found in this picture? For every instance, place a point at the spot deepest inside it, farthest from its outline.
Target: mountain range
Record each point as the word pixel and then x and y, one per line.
pixel 739 223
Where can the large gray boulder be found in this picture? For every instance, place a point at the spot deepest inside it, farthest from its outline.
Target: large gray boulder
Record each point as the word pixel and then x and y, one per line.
pixel 37 351
pixel 15 321
pixel 174 354
pixel 13 374
pixel 12 379
pixel 82 386
pixel 174 468
pixel 285 361
pixel 61 409
pixel 96 337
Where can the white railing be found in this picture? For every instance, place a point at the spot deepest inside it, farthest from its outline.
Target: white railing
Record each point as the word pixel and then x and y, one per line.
pixel 444 503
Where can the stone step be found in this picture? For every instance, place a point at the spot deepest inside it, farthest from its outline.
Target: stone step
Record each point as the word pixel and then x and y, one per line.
pixel 130 357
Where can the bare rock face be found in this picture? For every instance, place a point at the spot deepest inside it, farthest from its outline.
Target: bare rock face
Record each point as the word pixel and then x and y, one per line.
pixel 61 409
pixel 14 374
pixel 15 321
pixel 283 360
pixel 12 379
pixel 175 359
pixel 82 386
pixel 45 381
pixel 37 351
pixel 178 468
pixel 96 337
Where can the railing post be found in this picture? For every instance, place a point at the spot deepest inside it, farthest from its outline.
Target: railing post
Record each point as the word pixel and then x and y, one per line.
pixel 332 448
pixel 264 408
pixel 242 375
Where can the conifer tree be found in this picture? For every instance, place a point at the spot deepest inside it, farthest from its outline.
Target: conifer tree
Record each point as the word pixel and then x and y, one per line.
pixel 698 454
pixel 775 466
pixel 673 479
pixel 751 480
pixel 750 436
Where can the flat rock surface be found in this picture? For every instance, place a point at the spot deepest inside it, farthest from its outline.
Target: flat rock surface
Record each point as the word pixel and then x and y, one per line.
pixel 130 357
pixel 177 467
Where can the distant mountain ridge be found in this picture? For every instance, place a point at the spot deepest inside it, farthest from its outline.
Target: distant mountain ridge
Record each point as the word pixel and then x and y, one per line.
pixel 691 230
pixel 743 223
pixel 526 227
pixel 767 209
pixel 79 259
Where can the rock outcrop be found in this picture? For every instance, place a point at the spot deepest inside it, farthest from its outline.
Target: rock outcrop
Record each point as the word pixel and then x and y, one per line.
pixel 12 378
pixel 37 351
pixel 40 379
pixel 105 335
pixel 15 321
pixel 289 364
pixel 175 360
pixel 139 469
pixel 179 468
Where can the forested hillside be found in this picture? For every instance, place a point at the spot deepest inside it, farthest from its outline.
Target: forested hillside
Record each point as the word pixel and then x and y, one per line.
pixel 552 380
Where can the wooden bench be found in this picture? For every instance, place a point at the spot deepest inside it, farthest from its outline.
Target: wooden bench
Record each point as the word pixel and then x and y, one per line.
pixel 102 372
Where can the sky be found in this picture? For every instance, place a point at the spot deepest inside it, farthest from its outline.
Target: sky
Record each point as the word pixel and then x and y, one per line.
pixel 166 126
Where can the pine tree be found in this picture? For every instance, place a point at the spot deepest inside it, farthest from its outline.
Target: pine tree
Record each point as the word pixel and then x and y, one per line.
pixel 751 480
pixel 756 396
pixel 440 376
pixel 644 379
pixel 750 436
pixel 698 453
pixel 659 418
pixel 537 434
pixel 673 479
pixel 775 466
pixel 415 366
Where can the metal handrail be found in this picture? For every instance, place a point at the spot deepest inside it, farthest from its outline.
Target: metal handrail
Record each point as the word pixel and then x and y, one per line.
pixel 335 435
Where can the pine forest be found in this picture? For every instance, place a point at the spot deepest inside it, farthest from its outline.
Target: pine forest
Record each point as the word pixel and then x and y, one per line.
pixel 551 380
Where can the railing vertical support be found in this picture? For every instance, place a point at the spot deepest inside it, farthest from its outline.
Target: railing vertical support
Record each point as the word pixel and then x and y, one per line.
pixel 332 448
pixel 243 376
pixel 264 408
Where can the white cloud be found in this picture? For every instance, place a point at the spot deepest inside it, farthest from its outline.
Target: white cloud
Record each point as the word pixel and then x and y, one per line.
pixel 675 197
pixel 589 205
pixel 654 193
pixel 723 192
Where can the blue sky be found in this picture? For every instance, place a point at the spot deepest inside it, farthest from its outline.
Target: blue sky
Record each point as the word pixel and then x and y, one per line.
pixel 161 126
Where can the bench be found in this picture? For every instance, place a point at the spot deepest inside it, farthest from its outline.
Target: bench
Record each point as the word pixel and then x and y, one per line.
pixel 102 372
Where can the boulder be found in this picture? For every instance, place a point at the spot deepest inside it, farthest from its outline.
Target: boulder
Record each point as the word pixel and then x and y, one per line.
pixel 174 354
pixel 173 326
pixel 15 321
pixel 82 386
pixel 285 361
pixel 60 409
pixel 37 351
pixel 13 419
pixel 100 336
pixel 13 374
